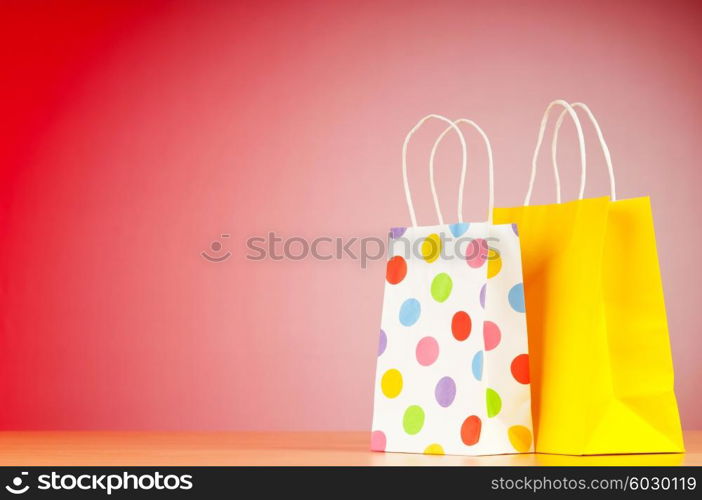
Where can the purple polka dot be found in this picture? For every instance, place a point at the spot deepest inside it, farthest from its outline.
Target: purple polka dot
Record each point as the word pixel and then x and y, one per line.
pixel 445 391
pixel 383 343
pixel 515 229
pixel 482 295
pixel 397 232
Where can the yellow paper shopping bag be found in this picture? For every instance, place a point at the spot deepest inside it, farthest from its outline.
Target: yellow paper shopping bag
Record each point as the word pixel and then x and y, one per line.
pixel 602 374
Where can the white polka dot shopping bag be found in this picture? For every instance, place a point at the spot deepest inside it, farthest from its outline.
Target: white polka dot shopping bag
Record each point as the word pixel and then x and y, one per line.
pixel 453 365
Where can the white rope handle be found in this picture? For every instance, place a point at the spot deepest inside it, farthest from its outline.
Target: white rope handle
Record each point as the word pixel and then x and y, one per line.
pixel 603 144
pixel 491 177
pixel 409 135
pixel 581 143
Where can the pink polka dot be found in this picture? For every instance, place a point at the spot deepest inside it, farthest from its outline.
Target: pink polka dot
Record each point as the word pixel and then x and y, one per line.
pixel 378 441
pixel 427 351
pixel 491 335
pixel 477 252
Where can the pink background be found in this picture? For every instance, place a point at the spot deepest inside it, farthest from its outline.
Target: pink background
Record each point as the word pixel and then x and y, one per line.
pixel 134 134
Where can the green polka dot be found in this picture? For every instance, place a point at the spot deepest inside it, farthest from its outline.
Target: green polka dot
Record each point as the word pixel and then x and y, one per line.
pixel 413 421
pixel 441 287
pixel 494 403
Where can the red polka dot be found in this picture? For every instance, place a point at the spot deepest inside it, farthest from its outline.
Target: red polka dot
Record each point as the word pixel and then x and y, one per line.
pixel 396 270
pixel 470 430
pixel 520 368
pixel 461 325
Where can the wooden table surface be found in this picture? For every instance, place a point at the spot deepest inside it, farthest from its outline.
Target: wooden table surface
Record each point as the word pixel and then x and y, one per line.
pixel 268 448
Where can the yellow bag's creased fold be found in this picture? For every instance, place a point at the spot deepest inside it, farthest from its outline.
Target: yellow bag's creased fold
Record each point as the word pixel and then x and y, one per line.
pixel 601 367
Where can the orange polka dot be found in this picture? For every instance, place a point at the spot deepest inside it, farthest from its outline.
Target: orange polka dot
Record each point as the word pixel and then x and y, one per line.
pixel 520 368
pixel 470 430
pixel 461 325
pixel 396 270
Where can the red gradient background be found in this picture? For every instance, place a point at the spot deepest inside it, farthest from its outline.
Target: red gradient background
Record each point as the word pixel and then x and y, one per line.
pixel 133 134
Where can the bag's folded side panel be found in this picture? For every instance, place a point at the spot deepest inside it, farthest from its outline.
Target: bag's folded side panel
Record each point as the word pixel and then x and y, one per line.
pixel 506 370
pixel 643 414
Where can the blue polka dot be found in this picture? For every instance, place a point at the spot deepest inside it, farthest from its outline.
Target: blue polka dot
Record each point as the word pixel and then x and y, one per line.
pixel 515 229
pixel 409 312
pixel 477 365
pixel 516 298
pixel 482 295
pixel 458 229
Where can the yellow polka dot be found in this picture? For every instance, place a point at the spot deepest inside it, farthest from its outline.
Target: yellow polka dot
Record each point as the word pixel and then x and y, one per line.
pixel 494 263
pixel 434 449
pixel 431 247
pixel 520 437
pixel 391 383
